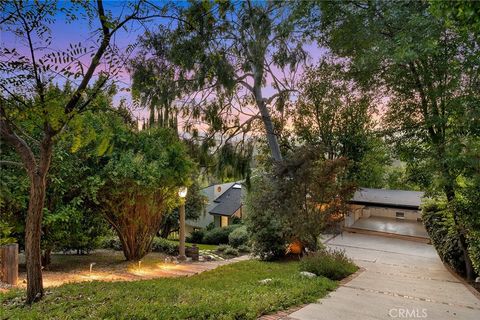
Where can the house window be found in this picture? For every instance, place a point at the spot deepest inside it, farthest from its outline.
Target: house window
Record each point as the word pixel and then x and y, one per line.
pixel 223 221
pixel 400 215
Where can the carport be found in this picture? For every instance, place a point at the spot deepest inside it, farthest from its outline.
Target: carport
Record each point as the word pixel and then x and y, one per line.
pixel 394 213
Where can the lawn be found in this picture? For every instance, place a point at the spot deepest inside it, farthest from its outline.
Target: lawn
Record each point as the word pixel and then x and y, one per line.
pixel 199 245
pixel 228 292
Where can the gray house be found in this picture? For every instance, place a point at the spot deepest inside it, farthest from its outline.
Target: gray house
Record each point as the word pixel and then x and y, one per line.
pixel 228 206
pixel 224 201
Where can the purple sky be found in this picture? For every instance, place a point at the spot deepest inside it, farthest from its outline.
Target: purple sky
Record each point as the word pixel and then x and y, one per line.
pixel 65 33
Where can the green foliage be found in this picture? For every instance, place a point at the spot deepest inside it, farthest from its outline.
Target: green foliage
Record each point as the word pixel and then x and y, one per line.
pixel 210 226
pixel 296 201
pixel 230 252
pixel 334 113
pixel 461 14
pixel 428 66
pixel 222 247
pixel 196 236
pixel 216 294
pixel 438 220
pixel 466 206
pixel 71 220
pixel 402 178
pixel 238 237
pixel 333 264
pixel 111 242
pixel 474 249
pixel 244 248
pixel 165 246
pixel 5 234
pixel 267 231
pixel 194 205
pixel 219 235
pixel 141 177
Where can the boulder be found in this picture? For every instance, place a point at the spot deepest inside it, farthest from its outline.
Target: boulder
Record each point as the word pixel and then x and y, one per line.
pixel 265 281
pixel 307 274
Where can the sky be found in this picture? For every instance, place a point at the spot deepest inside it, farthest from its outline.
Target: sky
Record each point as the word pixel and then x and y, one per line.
pixel 64 32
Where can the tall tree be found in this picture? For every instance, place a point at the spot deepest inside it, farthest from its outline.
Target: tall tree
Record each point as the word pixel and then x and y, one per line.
pixel 335 114
pixel 429 73
pixel 25 77
pixel 234 53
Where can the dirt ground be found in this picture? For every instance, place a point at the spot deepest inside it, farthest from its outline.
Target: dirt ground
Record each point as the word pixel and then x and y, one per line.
pixel 109 265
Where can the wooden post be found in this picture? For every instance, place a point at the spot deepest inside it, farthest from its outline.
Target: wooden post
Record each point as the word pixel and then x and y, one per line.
pixel 181 210
pixel 9 263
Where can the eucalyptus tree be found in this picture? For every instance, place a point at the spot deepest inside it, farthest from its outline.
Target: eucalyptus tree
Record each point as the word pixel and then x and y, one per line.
pixel 239 61
pixel 429 74
pixel 155 83
pixel 26 73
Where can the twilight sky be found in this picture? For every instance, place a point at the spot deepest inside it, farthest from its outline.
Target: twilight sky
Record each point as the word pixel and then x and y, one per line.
pixel 65 32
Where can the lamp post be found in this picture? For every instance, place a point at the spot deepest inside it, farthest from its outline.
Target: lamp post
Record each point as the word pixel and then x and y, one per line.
pixel 182 193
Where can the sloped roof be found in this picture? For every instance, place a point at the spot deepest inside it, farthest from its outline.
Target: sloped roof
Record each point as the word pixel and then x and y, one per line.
pixel 390 198
pixel 229 201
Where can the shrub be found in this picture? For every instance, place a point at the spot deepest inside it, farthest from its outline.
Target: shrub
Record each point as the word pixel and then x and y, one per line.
pixel 222 247
pixel 111 243
pixel 231 251
pixel 210 226
pixel 333 264
pixel 165 246
pixel 244 248
pixel 238 237
pixel 218 235
pixel 474 249
pixel 438 221
pixel 266 230
pixel 196 236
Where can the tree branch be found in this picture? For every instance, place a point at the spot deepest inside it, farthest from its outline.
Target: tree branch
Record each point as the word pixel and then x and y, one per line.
pixel 13 163
pixel 18 143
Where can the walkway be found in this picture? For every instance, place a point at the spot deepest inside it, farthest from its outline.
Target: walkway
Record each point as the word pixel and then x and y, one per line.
pixel 400 279
pixel 111 266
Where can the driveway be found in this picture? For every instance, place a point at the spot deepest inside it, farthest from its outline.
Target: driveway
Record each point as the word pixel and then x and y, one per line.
pixel 400 280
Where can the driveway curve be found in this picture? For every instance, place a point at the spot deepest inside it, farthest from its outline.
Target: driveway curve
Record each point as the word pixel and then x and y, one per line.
pixel 400 279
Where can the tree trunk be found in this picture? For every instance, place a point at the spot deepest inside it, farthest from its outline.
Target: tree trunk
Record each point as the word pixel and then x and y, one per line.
pixel 33 256
pixel 33 225
pixel 266 118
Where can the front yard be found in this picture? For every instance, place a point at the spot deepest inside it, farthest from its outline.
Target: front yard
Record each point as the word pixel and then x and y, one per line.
pixel 228 292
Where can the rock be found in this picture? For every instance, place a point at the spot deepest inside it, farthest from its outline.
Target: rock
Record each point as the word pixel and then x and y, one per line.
pixel 477 280
pixel 265 281
pixel 307 274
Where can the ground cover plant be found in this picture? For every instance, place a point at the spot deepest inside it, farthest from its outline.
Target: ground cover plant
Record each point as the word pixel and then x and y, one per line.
pixel 333 264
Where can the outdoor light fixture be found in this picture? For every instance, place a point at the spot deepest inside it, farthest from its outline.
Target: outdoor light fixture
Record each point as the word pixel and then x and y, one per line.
pixel 182 192
pixel 91 266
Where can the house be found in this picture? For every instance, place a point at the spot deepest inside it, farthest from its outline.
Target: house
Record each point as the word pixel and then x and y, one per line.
pixel 223 203
pixel 228 206
pixel 393 212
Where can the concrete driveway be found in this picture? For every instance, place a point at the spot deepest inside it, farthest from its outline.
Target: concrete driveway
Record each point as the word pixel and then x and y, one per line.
pixel 400 280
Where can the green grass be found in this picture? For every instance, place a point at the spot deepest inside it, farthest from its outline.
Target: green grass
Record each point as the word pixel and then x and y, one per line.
pixel 199 245
pixel 228 292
